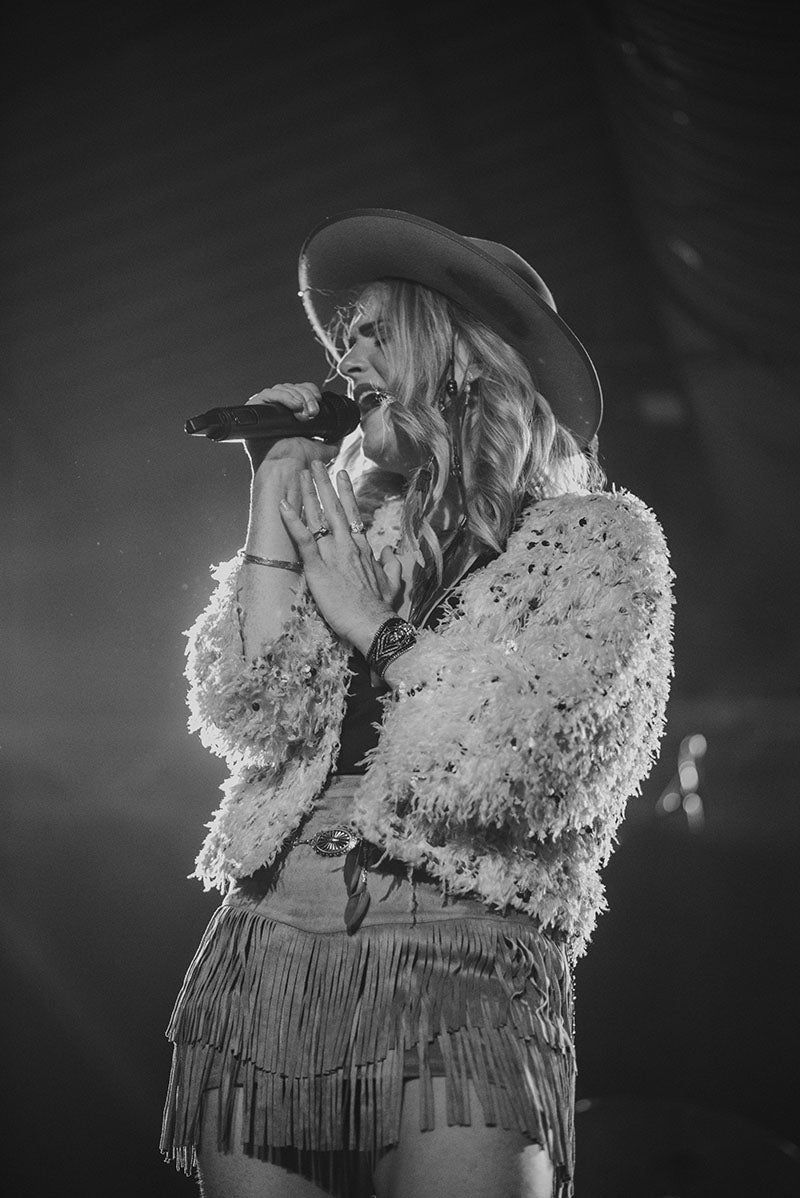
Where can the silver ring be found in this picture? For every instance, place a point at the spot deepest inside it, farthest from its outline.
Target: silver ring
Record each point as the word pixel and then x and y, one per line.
pixel 321 532
pixel 356 526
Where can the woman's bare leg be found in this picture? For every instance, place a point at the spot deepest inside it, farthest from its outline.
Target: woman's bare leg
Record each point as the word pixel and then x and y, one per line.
pixel 236 1175
pixel 460 1162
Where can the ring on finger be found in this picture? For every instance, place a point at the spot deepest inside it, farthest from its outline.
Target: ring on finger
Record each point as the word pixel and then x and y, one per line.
pixel 322 531
pixel 357 526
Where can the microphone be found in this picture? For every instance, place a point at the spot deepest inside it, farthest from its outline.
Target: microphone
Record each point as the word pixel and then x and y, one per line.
pixel 338 415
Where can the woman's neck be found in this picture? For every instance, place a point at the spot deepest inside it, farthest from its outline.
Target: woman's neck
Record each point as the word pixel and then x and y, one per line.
pixel 449 514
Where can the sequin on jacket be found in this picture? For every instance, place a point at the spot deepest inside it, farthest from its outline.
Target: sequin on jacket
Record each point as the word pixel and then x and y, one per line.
pixel 525 723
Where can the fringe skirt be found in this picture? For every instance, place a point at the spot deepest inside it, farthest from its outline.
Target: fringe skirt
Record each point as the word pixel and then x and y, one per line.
pixel 320 1026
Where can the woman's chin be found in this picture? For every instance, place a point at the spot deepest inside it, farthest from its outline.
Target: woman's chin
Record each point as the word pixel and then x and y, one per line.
pixel 380 444
pixel 377 441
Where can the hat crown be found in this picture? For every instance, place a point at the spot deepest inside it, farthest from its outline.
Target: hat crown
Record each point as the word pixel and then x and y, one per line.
pixel 514 261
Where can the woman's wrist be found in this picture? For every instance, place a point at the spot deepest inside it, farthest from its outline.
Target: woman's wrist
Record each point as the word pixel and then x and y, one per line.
pixel 370 619
pixel 277 472
pixel 392 638
pixel 294 454
pixel 266 533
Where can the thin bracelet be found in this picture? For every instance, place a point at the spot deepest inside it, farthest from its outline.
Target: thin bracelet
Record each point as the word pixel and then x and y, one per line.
pixel 295 567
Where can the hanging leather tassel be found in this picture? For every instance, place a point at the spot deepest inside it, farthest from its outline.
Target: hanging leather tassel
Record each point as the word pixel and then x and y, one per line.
pixel 318 1030
pixel 355 880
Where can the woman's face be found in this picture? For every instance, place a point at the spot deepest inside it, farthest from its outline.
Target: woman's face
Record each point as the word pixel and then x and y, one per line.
pixel 367 370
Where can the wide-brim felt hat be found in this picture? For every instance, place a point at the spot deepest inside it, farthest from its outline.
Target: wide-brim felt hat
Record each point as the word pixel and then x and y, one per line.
pixel 491 281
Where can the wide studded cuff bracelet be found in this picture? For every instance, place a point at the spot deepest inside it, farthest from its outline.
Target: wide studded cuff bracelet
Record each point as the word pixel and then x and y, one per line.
pixel 394 637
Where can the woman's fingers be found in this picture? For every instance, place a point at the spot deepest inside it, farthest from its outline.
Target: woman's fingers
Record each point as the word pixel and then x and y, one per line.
pixel 346 510
pixel 347 498
pixel 309 395
pixel 333 512
pixel 389 573
pixel 391 566
pixel 300 398
pixel 299 532
pixel 322 506
pixel 312 511
pixel 294 494
pixel 339 512
pixel 346 552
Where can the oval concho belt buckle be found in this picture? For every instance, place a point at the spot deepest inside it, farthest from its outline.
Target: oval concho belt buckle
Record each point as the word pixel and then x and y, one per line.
pixel 333 842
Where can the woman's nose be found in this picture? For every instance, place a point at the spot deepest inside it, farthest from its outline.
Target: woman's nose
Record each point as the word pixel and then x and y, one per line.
pixel 352 364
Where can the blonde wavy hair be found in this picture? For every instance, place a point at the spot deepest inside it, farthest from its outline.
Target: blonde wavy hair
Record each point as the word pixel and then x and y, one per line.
pixel 518 449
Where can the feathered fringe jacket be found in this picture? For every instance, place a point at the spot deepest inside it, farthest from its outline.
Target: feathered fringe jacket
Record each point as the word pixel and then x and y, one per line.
pixel 527 719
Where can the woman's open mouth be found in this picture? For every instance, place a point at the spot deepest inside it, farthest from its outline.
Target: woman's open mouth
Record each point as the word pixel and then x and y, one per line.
pixel 368 399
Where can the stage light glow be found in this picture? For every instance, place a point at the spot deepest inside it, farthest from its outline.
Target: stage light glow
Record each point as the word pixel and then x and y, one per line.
pixel 694 812
pixel 681 793
pixel 670 801
pixel 693 804
pixel 697 745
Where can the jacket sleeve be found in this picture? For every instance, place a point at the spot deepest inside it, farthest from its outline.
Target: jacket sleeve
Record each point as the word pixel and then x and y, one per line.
pixel 531 717
pixel 272 710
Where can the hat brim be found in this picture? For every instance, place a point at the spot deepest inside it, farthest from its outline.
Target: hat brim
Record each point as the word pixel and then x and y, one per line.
pixel 363 245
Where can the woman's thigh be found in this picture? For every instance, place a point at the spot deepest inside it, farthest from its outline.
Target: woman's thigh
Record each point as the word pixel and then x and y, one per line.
pixel 451 1162
pixel 235 1175
pixel 460 1162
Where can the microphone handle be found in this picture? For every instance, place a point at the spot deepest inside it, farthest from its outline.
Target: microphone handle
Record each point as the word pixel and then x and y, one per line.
pixel 338 415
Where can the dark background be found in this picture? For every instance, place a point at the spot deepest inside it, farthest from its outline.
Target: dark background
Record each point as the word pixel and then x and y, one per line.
pixel 163 163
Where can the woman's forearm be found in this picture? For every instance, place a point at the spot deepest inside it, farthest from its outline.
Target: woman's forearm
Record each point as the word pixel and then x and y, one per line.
pixel 267 592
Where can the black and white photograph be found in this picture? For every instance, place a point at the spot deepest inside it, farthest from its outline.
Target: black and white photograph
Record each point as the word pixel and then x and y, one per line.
pixel 400 747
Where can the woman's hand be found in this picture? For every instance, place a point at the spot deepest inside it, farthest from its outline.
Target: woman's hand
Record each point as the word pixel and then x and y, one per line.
pixel 303 400
pixel 353 591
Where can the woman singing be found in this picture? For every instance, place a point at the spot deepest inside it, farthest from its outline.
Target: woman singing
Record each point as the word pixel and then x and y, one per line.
pixel 437 671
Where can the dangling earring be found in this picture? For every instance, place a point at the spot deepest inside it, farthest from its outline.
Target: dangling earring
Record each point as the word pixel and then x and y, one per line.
pixel 447 396
pixel 455 414
pixel 418 495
